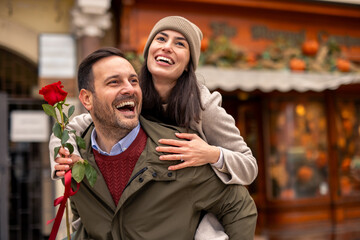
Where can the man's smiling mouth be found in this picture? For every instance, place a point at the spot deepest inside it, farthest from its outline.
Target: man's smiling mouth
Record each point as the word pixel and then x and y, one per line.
pixel 126 106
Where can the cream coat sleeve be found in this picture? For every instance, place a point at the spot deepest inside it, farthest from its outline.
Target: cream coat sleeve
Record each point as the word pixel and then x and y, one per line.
pixel 78 123
pixel 218 129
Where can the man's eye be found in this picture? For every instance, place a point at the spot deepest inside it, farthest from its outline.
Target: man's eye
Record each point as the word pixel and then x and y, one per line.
pixel 134 81
pixel 113 82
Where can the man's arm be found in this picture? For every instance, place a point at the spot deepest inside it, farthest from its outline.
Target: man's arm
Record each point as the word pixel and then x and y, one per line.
pixel 237 212
pixel 231 204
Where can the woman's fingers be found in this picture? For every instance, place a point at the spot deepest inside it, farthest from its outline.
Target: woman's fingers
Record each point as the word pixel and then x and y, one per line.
pixel 172 142
pixel 64 152
pixel 169 149
pixel 64 162
pixel 60 173
pixel 194 152
pixel 172 157
pixel 62 167
pixel 188 136
pixel 180 166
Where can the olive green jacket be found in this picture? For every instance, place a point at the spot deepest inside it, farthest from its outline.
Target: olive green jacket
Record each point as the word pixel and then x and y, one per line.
pixel 158 203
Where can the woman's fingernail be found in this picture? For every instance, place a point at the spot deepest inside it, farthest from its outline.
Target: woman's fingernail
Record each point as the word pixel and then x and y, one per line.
pixel 69 160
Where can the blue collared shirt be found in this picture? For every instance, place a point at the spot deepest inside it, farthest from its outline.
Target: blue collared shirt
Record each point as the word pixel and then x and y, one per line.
pixel 120 146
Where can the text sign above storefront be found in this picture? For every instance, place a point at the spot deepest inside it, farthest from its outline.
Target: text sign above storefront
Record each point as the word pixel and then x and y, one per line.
pixel 57 56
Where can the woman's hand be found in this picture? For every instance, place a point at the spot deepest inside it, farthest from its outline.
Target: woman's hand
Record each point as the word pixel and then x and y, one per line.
pixel 194 152
pixel 65 162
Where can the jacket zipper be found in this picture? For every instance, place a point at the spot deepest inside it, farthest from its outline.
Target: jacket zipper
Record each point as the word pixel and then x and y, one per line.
pixel 137 174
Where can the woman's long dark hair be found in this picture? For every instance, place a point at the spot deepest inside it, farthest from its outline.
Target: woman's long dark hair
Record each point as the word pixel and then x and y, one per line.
pixel 184 102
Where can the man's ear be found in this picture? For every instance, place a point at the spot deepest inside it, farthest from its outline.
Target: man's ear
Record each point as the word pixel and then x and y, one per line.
pixel 86 98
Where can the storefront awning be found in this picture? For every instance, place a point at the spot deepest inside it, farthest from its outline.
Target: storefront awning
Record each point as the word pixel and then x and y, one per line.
pixel 267 81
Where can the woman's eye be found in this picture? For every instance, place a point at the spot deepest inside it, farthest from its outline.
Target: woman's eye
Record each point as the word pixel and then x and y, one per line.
pixel 160 38
pixel 180 44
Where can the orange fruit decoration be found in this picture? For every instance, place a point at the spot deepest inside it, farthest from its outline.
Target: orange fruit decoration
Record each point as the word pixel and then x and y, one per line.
pixel 343 65
pixel 297 64
pixel 204 44
pixel 345 165
pixel 310 47
pixel 251 58
pixel 305 173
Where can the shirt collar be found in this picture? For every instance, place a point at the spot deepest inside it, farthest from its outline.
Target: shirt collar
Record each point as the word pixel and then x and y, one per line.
pixel 120 146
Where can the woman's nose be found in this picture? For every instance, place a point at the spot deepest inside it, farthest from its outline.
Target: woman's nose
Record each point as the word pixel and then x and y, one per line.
pixel 167 46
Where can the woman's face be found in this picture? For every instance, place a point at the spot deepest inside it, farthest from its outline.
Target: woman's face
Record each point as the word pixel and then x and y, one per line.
pixel 169 55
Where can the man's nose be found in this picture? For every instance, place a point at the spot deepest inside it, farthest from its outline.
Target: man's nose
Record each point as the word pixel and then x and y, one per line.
pixel 127 88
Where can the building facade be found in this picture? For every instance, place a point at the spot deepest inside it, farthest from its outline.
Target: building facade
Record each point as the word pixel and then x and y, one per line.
pixel 288 72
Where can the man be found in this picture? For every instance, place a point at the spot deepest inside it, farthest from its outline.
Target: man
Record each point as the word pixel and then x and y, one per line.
pixel 135 195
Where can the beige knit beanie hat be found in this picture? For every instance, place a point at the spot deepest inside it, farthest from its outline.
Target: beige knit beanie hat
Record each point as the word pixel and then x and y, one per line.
pixel 190 31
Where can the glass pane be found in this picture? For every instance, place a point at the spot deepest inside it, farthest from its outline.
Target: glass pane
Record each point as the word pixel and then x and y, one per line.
pixel 298 161
pixel 348 129
pixel 248 126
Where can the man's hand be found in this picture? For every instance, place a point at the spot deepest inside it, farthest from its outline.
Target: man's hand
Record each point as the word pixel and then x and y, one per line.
pixel 194 152
pixel 65 162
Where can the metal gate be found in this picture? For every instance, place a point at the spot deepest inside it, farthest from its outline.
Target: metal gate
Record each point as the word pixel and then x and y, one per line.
pixel 25 188
pixel 4 169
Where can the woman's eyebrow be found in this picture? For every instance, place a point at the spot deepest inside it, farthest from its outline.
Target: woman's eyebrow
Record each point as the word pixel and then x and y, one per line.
pixel 178 38
pixel 162 33
pixel 181 38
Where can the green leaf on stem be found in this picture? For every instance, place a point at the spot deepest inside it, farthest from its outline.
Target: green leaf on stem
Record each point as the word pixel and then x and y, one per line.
pixel 80 142
pixel 70 147
pixel 71 111
pixel 78 171
pixel 57 130
pixel 66 119
pixel 49 110
pixel 56 151
pixel 64 137
pixel 72 131
pixel 91 174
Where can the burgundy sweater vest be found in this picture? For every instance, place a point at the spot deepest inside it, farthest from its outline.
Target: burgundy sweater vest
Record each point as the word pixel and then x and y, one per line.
pixel 117 169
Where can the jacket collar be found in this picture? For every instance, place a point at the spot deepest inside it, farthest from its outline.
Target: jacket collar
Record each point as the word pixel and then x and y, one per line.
pixel 148 167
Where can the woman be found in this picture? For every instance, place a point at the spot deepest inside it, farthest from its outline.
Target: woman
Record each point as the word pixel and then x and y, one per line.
pixel 172 94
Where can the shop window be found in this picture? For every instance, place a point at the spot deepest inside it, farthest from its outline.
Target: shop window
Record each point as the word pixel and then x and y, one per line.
pixel 249 129
pixel 298 160
pixel 348 146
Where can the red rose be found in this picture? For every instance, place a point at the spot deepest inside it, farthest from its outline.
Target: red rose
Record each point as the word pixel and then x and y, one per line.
pixel 53 93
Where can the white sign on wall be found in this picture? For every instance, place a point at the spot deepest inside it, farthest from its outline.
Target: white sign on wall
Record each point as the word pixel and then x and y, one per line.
pixel 29 126
pixel 57 56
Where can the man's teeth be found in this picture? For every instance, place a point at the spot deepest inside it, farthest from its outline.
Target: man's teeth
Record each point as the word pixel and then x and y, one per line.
pixel 123 104
pixel 164 59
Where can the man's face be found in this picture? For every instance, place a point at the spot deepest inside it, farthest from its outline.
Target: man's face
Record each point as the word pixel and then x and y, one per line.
pixel 116 101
